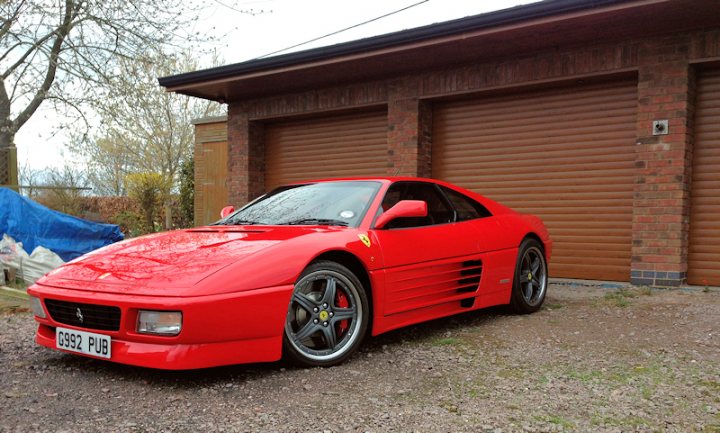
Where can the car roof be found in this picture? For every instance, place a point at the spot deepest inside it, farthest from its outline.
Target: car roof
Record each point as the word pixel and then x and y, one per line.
pixel 384 179
pixel 494 207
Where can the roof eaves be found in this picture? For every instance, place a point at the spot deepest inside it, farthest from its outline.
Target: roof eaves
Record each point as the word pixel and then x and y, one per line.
pixel 491 19
pixel 209 119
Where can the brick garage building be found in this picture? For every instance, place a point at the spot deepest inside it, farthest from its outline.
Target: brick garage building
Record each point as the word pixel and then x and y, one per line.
pixel 602 117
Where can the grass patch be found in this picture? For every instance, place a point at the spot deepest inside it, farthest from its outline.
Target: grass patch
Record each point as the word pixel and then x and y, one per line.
pixel 447 341
pixel 714 385
pixel 511 373
pixel 13 299
pixel 555 419
pixel 645 379
pixel 553 306
pixel 644 291
pixel 12 309
pixel 20 285
pixel 450 407
pixel 585 376
pixel 620 297
pixel 620 421
pixel 12 278
pixel 628 374
pixel 711 389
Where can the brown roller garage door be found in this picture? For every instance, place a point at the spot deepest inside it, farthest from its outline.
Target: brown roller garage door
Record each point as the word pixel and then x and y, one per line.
pixel 345 145
pixel 565 154
pixel 704 253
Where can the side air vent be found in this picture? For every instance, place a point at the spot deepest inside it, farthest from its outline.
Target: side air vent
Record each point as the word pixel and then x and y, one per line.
pixel 467 302
pixel 425 285
pixel 471 272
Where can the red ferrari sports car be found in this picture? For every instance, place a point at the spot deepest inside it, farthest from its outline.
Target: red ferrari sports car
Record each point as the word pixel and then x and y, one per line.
pixel 305 271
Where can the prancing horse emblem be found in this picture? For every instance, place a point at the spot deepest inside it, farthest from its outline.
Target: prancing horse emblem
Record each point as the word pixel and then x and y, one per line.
pixel 79 315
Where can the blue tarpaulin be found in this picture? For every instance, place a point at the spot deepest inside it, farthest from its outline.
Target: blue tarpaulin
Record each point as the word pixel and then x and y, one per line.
pixel 35 225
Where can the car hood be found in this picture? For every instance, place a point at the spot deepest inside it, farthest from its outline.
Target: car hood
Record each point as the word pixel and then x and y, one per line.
pixel 167 263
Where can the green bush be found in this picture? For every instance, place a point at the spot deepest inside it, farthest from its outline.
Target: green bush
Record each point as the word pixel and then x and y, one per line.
pixel 131 223
pixel 150 190
pixel 186 201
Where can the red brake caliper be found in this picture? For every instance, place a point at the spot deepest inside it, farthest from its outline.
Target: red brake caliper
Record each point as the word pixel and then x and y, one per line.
pixel 342 302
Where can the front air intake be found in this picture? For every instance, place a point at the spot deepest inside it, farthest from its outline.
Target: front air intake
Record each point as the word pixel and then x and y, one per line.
pixel 90 316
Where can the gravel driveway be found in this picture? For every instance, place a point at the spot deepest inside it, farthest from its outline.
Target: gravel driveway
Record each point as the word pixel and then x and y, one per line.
pixel 592 360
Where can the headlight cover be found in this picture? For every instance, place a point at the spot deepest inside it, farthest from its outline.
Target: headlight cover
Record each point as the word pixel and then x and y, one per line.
pixel 37 308
pixel 159 322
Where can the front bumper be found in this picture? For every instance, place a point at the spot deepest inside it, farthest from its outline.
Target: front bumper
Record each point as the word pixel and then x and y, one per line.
pixel 217 330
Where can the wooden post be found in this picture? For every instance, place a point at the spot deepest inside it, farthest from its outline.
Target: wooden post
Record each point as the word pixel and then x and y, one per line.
pixel 4 163
pixel 12 170
pixel 168 216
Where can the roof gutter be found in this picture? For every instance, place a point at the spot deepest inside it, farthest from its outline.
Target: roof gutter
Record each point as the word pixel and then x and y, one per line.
pixel 448 28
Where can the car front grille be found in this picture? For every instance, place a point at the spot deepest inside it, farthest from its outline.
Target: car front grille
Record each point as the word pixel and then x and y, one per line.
pixel 89 316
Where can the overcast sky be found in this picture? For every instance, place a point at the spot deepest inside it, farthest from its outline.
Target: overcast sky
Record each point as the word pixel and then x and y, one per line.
pixel 276 25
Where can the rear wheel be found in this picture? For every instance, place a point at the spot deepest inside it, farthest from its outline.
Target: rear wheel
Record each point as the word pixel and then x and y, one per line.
pixel 327 317
pixel 531 278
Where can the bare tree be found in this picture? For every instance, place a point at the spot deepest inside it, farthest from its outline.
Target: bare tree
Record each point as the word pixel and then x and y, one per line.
pixel 30 179
pixel 109 161
pixel 63 190
pixel 152 125
pixel 60 50
pixel 142 128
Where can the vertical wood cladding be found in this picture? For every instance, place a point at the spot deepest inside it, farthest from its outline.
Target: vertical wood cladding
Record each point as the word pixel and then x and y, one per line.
pixel 211 154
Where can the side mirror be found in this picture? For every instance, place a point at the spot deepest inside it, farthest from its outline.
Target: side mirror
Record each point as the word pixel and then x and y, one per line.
pixel 227 210
pixel 402 209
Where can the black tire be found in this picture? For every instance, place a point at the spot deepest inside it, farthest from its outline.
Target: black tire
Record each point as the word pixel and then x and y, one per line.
pixel 320 330
pixel 531 278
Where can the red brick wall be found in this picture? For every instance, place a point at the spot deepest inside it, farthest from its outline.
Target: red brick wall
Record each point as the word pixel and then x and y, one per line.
pixel 318 101
pixel 665 71
pixel 409 131
pixel 661 207
pixel 246 156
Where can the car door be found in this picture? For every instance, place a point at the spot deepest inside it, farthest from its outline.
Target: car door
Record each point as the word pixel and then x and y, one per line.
pixel 428 260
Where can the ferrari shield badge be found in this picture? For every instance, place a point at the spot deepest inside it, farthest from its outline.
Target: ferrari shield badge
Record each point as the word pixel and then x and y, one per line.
pixel 365 239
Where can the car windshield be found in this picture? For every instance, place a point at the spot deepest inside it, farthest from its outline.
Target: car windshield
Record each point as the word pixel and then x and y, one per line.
pixel 325 203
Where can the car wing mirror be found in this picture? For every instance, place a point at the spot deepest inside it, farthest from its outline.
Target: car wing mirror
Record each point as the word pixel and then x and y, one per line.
pixel 227 210
pixel 402 209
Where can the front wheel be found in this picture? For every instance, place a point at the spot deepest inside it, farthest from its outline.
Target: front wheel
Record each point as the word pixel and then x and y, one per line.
pixel 531 278
pixel 327 317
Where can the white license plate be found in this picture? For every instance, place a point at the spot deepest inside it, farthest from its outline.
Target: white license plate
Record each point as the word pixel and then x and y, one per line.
pixel 88 343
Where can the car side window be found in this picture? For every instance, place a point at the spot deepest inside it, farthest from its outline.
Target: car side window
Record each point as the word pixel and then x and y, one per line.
pixel 467 208
pixel 439 210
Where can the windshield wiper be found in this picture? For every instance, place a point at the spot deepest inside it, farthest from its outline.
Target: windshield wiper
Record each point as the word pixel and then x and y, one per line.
pixel 317 221
pixel 244 222
pixel 235 223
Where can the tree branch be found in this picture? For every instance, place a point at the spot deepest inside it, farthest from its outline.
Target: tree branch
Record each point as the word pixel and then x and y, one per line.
pixel 8 22
pixel 33 47
pixel 41 93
